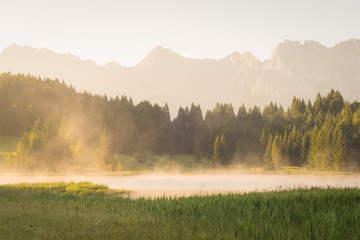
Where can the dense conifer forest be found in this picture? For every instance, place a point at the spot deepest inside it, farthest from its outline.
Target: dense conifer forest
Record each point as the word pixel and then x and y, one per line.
pixel 60 127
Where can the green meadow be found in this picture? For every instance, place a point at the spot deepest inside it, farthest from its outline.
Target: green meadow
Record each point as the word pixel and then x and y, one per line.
pixel 8 144
pixel 87 211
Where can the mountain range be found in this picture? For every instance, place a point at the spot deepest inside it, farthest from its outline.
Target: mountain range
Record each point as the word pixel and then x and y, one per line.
pixel 163 76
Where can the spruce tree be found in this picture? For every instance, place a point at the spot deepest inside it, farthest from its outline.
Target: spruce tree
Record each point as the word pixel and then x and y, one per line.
pixel 276 155
pixel 338 150
pixel 267 157
pixel 103 154
pixel 313 149
pixel 262 146
pixel 224 150
pixel 216 152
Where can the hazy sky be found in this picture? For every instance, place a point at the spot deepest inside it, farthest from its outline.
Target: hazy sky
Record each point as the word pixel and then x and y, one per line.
pixel 125 31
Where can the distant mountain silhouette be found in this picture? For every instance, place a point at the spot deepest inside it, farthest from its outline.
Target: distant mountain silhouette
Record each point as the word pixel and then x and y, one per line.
pixel 165 76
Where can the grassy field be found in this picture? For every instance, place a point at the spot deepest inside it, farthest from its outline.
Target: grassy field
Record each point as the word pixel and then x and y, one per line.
pixel 7 144
pixel 62 211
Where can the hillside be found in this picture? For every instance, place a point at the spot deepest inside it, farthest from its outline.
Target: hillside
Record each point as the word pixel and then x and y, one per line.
pixel 61 127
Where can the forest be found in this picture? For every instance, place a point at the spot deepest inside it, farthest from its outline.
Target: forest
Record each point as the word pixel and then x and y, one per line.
pixel 62 127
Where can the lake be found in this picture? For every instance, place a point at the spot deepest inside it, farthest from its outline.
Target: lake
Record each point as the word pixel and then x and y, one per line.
pixel 184 185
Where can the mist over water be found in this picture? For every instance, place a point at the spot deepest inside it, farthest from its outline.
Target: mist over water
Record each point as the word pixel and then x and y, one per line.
pixel 199 183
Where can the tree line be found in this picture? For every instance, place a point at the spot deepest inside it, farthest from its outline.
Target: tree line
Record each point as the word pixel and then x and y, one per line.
pixel 63 127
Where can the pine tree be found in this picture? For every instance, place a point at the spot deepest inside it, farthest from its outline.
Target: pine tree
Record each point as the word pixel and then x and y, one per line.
pixel 221 154
pixel 49 129
pixel 318 104
pixel 356 129
pixel 103 154
pixel 324 148
pixel 262 146
pixel 346 117
pixel 267 157
pixel 313 149
pixel 339 150
pixel 305 144
pixel 216 154
pixel 241 114
pixel 34 136
pixel 276 155
pixel 356 118
pixel 319 120
pixel 224 150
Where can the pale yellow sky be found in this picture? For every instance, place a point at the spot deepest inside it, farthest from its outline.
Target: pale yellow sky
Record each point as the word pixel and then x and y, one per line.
pixel 125 31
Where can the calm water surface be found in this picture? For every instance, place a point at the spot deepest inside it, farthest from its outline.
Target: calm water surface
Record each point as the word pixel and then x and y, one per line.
pixel 216 182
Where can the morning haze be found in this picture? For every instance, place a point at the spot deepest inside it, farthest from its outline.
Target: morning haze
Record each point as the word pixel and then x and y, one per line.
pixel 186 119
pixel 163 76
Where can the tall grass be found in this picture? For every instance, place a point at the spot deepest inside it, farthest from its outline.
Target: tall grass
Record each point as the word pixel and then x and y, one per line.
pixel 292 214
pixel 59 189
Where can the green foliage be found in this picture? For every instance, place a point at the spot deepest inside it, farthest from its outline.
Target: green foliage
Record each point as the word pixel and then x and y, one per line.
pixel 297 108
pixel 9 143
pixel 60 125
pixel 338 149
pixel 41 147
pixel 221 152
pixel 276 153
pixel 305 145
pixel 59 189
pixel 103 155
pixel 268 156
pixel 150 161
pixel 41 211
pixel 216 155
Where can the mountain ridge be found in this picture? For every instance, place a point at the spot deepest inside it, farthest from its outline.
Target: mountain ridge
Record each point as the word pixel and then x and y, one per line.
pixel 294 68
pixel 159 48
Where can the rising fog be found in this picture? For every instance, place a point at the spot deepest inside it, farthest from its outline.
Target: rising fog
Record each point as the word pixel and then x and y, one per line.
pixel 156 185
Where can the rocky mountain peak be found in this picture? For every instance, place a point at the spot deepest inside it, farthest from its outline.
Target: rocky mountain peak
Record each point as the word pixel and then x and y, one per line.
pixel 160 55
